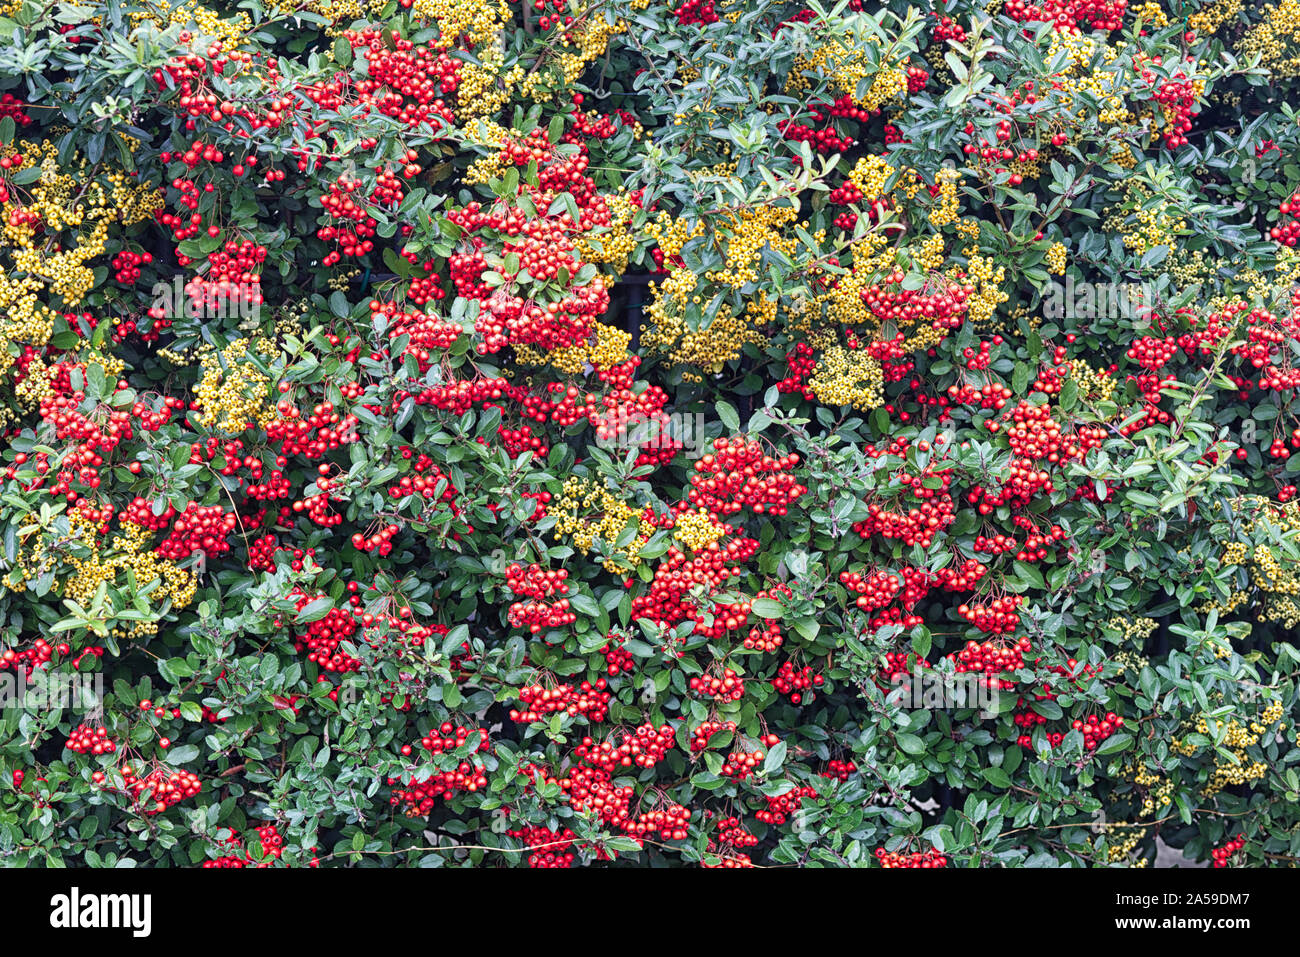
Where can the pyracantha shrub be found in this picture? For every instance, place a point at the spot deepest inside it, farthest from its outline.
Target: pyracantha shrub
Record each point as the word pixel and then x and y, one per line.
pixel 612 432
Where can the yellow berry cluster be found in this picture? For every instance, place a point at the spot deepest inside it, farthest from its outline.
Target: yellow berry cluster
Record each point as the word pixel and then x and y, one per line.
pixel 1237 737
pixel 485 132
pixel 1210 17
pixel 1269 575
pixel 968 228
pixel 1135 630
pixel 23 317
pixel 232 393
pixel 208 22
pixel 1275 584
pixel 698 530
pixel 1056 259
pixel 1131 660
pixel 485 86
pixel 162 584
pixel 848 377
pixel 342 279
pixel 66 198
pixel 930 255
pixel 988 293
pixel 707 348
pixel 1235 553
pixel 478 21
pixel 1146 221
pixel 1157 790
pixel 1152 15
pixel 1079 50
pixel 1285 611
pixel 948 207
pixel 747 232
pixel 1119 851
pixel 870 175
pixel 1094 384
pixel 1274 38
pixel 610 348
pixel 672 234
pixel 63 200
pixel 584 45
pixel 586 511
pixel 614 243
pixel 846 64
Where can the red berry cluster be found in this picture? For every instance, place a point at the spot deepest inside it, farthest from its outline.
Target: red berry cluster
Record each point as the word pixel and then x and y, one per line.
pixel 738 474
pixel 780 808
pixel 1223 853
pixel 992 659
pixel 875 590
pixel 790 682
pixel 942 304
pixel 733 834
pixel 593 789
pixel 588 699
pixel 997 616
pixel 725 687
pixel 701 735
pixel 552 846
pixel 536 582
pixel 930 858
pixel 418 796
pixel 85 739
pixel 1070 15
pixel 126 266
pixel 617 659
pixel 1287 231
pixel 740 765
pixel 668 600
pixel 38 655
pixel 896 663
pixel 919 512
pixel 643 748
pixel 839 770
pixel 272 847
pixel 204 528
pixel 323 637
pixel 985 397
pixel 539 615
pixel 1096 730
pixel 1177 96
pixel 166 787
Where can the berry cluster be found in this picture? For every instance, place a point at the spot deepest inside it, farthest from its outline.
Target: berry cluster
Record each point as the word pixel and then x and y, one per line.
pixel 794 683
pixel 90 740
pixel 643 748
pixel 164 787
pixel 200 528
pixel 588 699
pixel 930 858
pixel 1222 854
pixel 997 617
pixel 725 687
pixel 737 474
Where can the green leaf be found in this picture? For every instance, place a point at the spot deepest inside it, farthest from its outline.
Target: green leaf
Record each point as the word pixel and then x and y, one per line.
pixel 911 743
pixel 1116 742
pixel 315 610
pixel 728 416
pixel 775 758
pixel 997 777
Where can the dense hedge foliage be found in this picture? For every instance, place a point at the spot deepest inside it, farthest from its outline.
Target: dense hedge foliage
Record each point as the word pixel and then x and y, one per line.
pixel 585 431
